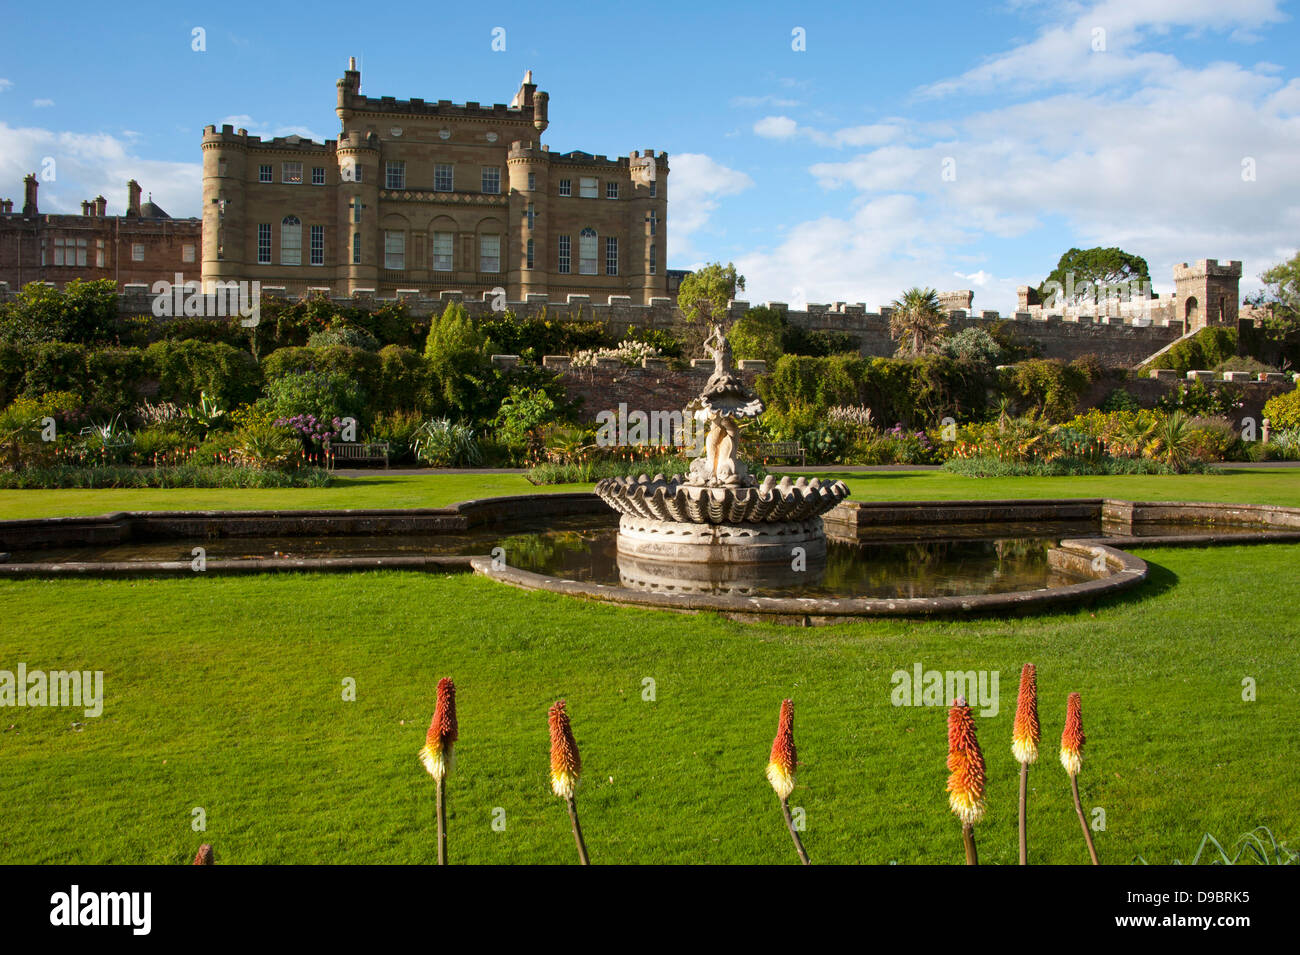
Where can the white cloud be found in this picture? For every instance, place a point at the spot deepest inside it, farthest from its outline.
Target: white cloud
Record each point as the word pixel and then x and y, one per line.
pixel 783 127
pixel 775 102
pixel 697 182
pixel 5 84
pixel 91 164
pixel 42 103
pixel 1068 52
pixel 267 130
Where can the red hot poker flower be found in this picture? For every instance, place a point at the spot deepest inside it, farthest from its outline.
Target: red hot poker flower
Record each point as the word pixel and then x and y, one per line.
pixel 1072 738
pixel 966 764
pixel 1025 732
pixel 781 764
pixel 566 764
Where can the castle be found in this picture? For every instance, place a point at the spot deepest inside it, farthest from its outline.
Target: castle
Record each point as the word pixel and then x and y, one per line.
pixel 432 196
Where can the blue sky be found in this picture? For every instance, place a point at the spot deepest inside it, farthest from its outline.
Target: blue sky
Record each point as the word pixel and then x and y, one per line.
pixel 1168 127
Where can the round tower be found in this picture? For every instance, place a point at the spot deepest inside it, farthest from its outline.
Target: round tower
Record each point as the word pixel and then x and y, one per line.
pixel 358 206
pixel 529 171
pixel 225 172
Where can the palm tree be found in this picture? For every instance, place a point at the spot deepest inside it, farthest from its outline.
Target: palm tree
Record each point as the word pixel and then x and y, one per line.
pixel 917 321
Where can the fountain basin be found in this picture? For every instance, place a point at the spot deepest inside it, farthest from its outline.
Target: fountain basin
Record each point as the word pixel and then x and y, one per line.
pixel 678 542
pixel 676 501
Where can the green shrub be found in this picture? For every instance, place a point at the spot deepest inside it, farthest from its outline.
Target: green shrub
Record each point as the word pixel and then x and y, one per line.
pixel 442 444
pixel 1047 386
pixel 403 380
pixel 1283 411
pixel 187 369
pixel 114 378
pixel 55 366
pixel 326 395
pixel 459 363
pixel 972 344
pixel 349 336
pixel 399 429
pixel 1119 399
pixel 83 312
pixel 185 475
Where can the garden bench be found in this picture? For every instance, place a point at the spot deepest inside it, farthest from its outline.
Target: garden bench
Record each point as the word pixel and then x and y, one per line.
pixel 358 452
pixel 788 450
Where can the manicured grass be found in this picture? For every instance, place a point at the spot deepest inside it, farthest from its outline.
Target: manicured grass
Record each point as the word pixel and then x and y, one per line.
pixel 226 694
pixel 1238 485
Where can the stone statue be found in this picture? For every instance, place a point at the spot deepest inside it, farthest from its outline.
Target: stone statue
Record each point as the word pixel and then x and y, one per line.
pixel 725 399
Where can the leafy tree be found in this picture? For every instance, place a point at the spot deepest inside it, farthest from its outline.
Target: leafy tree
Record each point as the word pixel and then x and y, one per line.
pixel 704 294
pixel 917 321
pixel 1083 275
pixel 759 334
pixel 974 345
pixel 1282 292
pixel 458 361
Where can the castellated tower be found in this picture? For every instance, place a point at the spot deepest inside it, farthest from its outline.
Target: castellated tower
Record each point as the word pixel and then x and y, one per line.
pixel 1207 293
pixel 434 196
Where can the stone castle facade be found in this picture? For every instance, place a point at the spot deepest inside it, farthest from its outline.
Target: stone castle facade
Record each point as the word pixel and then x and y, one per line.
pixel 143 245
pixel 418 196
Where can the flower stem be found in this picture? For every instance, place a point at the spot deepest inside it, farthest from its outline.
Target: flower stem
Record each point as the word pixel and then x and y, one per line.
pixel 1083 823
pixel 789 824
pixel 577 832
pixel 968 837
pixel 1024 833
pixel 442 821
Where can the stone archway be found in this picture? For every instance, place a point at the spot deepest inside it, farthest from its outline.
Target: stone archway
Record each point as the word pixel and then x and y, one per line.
pixel 1191 310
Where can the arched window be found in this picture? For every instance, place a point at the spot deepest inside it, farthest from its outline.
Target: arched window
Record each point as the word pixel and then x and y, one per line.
pixel 1190 310
pixel 587 252
pixel 291 241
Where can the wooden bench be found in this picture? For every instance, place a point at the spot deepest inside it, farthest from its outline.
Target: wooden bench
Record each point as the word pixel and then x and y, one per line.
pixel 785 450
pixel 358 452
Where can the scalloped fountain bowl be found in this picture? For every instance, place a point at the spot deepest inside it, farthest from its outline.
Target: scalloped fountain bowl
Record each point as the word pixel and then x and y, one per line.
pixel 670 519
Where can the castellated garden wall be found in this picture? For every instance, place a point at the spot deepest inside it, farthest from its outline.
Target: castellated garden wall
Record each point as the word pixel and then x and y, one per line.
pixel 1116 341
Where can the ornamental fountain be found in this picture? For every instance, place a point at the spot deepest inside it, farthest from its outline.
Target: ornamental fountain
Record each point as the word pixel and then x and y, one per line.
pixel 717 522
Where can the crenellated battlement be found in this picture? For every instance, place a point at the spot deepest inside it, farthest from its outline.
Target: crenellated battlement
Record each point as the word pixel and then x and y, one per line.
pixel 228 136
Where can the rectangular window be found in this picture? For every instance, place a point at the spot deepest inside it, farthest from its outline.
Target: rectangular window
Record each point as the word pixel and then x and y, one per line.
pixel 654 223
pixel 587 252
pixel 318 175
pixel 264 243
pixel 654 188
pixel 532 215
pixel 530 255
pixel 532 182
pixel 70 252
pixel 350 171
pixel 654 258
pixel 291 172
pixel 291 241
pixel 444 178
pixel 395 174
pixel 611 256
pixel 318 245
pixel 187 253
pixel 491 179
pixel 221 167
pixel 137 253
pixel 563 246
pixel 489 253
pixel 99 253
pixel 587 187
pixel 611 190
pixel 356 248
pixel 394 250
pixel 566 187
pixel 356 211
pixel 264 173
pixel 443 244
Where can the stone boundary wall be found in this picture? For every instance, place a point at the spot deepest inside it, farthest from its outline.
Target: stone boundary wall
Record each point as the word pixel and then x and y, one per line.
pixel 1115 340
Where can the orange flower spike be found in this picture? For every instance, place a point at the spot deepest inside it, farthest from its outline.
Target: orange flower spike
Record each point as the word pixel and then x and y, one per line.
pixel 436 754
pixel 1072 738
pixel 966 764
pixel 566 764
pixel 781 764
pixel 1025 731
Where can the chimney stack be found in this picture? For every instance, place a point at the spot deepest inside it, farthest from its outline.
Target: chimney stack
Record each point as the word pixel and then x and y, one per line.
pixel 29 195
pixel 6 206
pixel 101 206
pixel 133 198
pixel 85 207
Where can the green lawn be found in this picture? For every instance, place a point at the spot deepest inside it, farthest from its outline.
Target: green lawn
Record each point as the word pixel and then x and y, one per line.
pixel 1239 485
pixel 225 694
